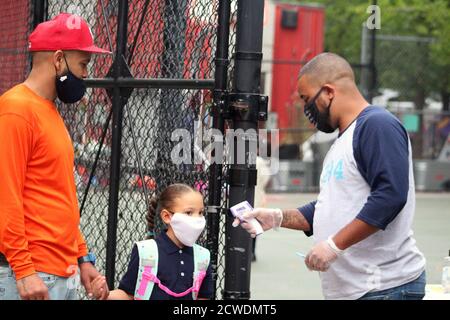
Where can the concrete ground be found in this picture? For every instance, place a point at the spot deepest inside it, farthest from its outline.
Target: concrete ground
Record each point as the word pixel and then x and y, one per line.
pixel 279 273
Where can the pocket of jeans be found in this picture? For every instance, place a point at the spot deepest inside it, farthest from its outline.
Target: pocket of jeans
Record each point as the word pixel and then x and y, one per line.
pixel 49 279
pixel 412 295
pixel 4 272
pixel 72 294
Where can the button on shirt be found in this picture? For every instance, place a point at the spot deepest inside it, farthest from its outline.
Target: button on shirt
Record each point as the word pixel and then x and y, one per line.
pixel 175 271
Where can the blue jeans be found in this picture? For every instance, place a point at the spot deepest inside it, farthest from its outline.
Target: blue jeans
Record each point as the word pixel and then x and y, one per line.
pixel 59 288
pixel 414 290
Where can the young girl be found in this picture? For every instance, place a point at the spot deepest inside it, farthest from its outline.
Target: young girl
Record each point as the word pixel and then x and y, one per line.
pixel 171 266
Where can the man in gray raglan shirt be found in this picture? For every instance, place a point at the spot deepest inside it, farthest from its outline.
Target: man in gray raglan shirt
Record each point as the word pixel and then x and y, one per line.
pixel 361 222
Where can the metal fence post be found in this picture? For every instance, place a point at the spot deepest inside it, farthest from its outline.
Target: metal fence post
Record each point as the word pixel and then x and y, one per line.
pixel 365 79
pixel 219 106
pixel 247 106
pixel 117 121
pixel 373 70
pixel 39 12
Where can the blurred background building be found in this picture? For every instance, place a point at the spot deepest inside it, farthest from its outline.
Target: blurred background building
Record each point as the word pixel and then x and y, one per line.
pixel 403 66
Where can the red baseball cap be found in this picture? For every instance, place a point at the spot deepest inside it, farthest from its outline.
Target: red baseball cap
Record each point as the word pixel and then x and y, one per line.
pixel 64 32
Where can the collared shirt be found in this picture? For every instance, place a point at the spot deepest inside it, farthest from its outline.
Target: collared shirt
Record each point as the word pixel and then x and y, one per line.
pixel 175 271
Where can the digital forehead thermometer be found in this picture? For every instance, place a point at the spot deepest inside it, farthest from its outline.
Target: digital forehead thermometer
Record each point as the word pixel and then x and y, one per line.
pixel 240 209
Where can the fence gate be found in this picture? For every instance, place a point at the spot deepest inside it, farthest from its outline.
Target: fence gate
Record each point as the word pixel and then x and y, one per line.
pixel 171 75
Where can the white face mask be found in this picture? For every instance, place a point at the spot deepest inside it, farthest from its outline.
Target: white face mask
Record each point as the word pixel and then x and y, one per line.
pixel 187 229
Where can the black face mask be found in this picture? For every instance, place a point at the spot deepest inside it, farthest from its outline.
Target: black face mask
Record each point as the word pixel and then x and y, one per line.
pixel 69 88
pixel 320 120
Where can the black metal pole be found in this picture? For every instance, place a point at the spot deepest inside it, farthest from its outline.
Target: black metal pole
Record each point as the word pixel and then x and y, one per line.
pixel 117 105
pixel 220 100
pixel 245 104
pixel 39 12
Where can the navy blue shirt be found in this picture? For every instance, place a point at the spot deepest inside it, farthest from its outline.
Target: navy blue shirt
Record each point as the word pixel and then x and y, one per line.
pixel 381 151
pixel 175 270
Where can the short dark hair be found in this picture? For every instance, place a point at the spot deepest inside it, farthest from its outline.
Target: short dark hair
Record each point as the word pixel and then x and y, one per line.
pixel 327 67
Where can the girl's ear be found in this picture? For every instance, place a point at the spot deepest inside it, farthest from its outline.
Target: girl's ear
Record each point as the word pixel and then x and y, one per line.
pixel 166 216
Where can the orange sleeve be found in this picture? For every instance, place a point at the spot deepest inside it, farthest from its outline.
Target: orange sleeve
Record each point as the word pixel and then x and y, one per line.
pixel 82 247
pixel 16 140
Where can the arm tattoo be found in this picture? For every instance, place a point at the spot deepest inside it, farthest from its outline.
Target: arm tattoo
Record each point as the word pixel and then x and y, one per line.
pixel 293 219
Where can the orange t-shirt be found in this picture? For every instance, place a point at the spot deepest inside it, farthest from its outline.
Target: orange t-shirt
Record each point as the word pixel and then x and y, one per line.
pixel 39 215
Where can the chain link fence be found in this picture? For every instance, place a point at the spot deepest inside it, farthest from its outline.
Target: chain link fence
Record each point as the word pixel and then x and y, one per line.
pixel 15 25
pixel 407 86
pixel 166 40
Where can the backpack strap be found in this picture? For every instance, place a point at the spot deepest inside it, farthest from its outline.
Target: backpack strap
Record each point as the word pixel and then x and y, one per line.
pixel 148 269
pixel 201 263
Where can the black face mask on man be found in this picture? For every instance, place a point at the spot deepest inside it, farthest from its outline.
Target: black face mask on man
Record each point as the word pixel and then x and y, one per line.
pixel 69 88
pixel 320 120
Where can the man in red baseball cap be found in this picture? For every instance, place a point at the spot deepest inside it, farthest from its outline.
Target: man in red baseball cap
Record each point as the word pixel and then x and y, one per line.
pixel 41 244
pixel 63 45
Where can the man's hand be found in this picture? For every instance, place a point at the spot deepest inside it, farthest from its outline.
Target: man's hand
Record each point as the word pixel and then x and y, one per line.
pixel 268 218
pixel 32 288
pixel 322 255
pixel 87 274
pixel 100 289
